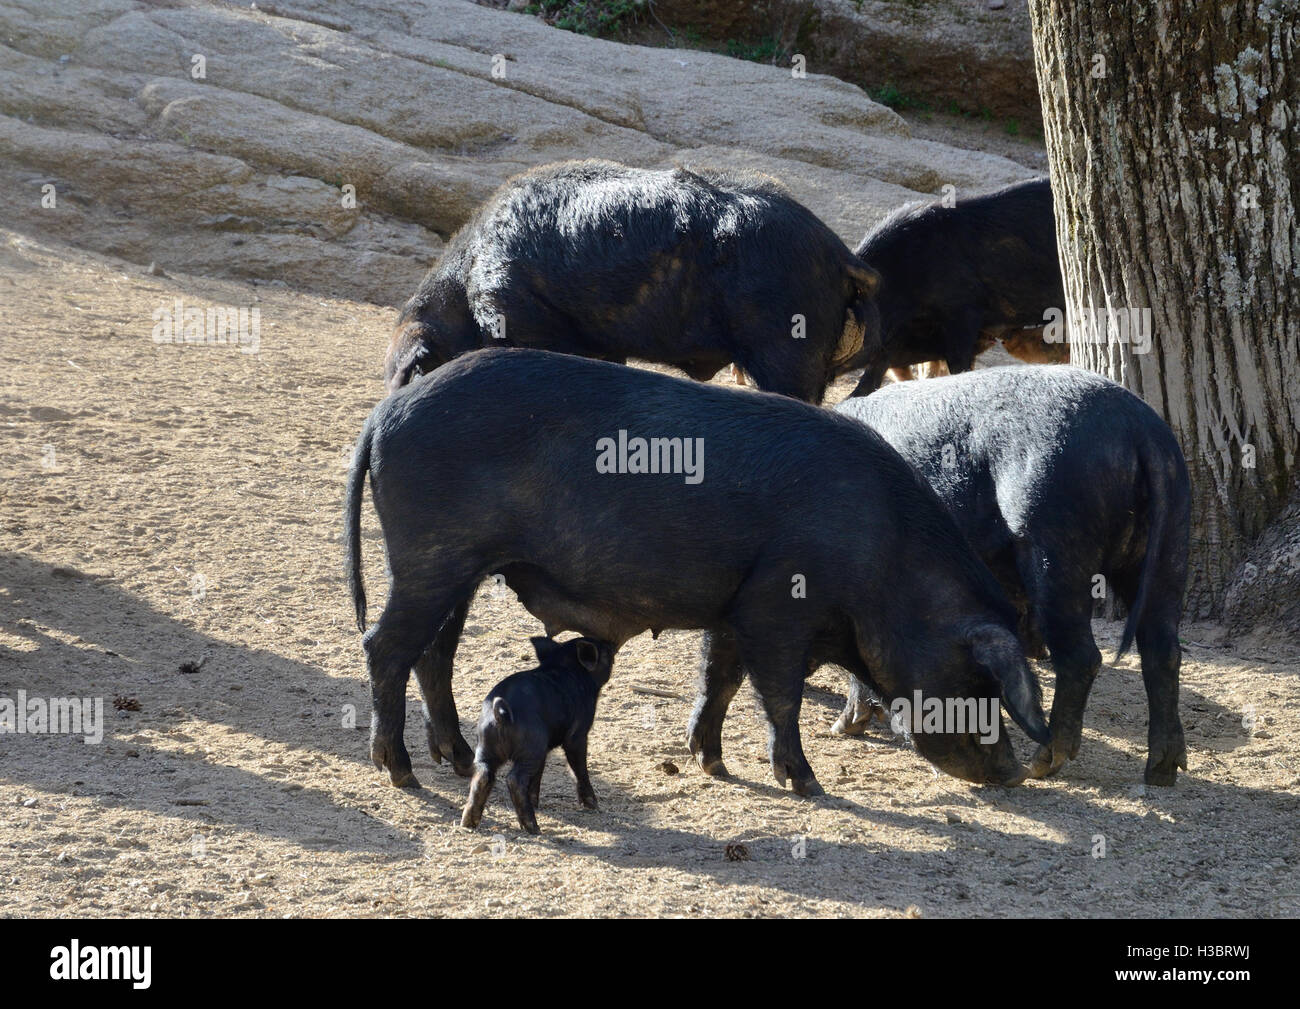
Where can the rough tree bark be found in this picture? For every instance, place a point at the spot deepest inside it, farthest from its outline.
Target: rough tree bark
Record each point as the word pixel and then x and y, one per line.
pixel 1171 131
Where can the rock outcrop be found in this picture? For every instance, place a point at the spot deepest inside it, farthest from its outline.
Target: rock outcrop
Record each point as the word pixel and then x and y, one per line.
pixel 334 145
pixel 945 54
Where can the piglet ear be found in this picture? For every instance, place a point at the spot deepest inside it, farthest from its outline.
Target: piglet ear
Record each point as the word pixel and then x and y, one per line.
pixel 588 654
pixel 544 647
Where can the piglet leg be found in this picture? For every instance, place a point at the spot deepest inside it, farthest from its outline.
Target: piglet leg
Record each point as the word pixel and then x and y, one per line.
pixel 575 751
pixel 479 788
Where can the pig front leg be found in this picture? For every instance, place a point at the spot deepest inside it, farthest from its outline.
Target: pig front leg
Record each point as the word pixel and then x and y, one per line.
pixel 777 672
pixel 774 646
pixel 721 674
pixel 872 375
pixel 782 700
pixel 1067 629
pixel 959 338
pixel 535 787
pixel 575 751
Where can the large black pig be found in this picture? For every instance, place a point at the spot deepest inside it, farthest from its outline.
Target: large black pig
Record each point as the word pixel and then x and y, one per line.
pixel 805 538
pixel 1058 476
pixel 690 268
pixel 954 279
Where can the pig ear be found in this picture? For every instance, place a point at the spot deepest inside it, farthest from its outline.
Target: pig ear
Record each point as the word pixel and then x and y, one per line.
pixel 409 355
pixel 543 647
pixel 998 652
pixel 864 278
pixel 588 655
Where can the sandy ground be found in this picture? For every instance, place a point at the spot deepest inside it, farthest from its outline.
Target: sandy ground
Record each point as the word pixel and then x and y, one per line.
pixel 164 505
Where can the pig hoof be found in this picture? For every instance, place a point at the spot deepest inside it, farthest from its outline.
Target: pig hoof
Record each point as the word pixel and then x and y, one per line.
pixel 1014 778
pixel 1046 762
pixel 396 761
pixel 589 801
pixel 856 718
pixel 709 758
pixel 469 819
pixel 844 727
pixel 456 751
pixel 462 760
pixel 529 825
pixel 802 783
pixel 1163 769
pixel 461 757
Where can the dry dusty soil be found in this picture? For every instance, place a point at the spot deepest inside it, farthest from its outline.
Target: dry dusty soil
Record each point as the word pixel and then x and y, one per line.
pixel 170 506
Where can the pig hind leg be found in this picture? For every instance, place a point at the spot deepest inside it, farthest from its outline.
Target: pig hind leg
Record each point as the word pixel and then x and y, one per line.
pixel 480 787
pixel 433 672
pixel 721 674
pixel 1157 642
pixel 525 783
pixel 392 645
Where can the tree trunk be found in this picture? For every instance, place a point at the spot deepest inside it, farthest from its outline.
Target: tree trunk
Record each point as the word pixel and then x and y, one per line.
pixel 1171 131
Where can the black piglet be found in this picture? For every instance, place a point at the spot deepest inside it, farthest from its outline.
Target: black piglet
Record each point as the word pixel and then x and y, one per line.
pixel 530 713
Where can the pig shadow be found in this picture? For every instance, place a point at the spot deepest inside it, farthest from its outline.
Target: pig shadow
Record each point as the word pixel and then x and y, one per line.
pixel 69 634
pixel 978 868
pixel 958 866
pixel 66 633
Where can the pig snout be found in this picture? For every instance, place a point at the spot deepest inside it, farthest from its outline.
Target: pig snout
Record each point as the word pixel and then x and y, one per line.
pixel 964 756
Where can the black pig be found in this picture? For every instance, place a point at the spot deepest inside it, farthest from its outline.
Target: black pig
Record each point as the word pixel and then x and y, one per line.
pixel 527 715
pixel 804 538
pixel 690 268
pixel 1057 475
pixel 954 279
